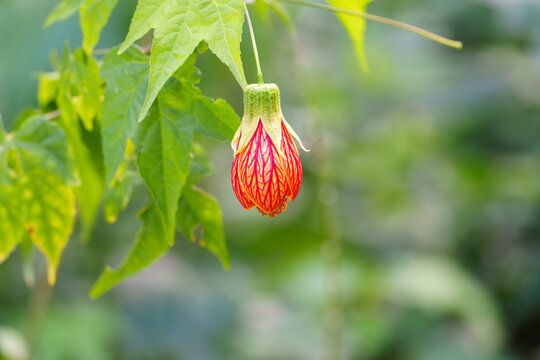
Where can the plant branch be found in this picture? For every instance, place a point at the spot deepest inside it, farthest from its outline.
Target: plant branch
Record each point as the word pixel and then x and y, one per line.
pixel 250 26
pixel 440 39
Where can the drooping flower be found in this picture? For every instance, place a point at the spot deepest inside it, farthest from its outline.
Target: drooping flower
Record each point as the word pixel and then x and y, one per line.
pixel 266 170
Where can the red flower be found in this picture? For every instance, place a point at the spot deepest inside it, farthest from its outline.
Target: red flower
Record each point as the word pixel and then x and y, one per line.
pixel 266 171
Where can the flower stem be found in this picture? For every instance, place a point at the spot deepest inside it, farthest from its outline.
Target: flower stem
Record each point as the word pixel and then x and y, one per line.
pixel 399 24
pixel 259 71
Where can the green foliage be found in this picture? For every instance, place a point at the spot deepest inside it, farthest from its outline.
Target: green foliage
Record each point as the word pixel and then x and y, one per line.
pixel 165 153
pixel 130 119
pixel 39 143
pixel 11 224
pixel 124 96
pixel 179 26
pixel 93 17
pixel 131 109
pixel 84 86
pixel 78 98
pixel 423 175
pixel 118 194
pixel 50 215
pixel 196 207
pixel 163 144
pixel 63 11
pixel 36 189
pixel 150 245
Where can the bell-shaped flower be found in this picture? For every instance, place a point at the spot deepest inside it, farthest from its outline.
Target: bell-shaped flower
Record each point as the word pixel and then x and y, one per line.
pixel 266 170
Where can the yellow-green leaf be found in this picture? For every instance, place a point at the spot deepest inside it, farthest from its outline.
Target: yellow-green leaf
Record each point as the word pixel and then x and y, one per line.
pixel 355 26
pixel 118 194
pixel 50 209
pixel 47 88
pixel 40 144
pixel 63 11
pixel 87 162
pixel 11 219
pixel 94 15
pixel 85 89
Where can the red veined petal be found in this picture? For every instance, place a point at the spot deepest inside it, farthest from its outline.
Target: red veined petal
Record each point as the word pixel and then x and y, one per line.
pixel 293 165
pixel 262 175
pixel 237 188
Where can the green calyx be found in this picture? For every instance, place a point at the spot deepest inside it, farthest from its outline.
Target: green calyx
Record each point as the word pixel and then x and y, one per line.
pixel 261 103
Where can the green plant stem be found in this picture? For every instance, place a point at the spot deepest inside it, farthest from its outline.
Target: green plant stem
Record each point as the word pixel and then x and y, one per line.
pixel 440 39
pixel 259 71
pixel 104 51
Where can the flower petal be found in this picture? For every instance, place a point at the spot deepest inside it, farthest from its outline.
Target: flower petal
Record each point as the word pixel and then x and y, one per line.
pixel 237 188
pixel 262 174
pixel 293 166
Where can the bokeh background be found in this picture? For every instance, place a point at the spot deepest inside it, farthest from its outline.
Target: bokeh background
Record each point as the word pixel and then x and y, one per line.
pixel 416 234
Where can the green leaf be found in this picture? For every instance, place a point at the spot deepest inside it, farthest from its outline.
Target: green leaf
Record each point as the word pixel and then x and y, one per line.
pixel 167 158
pixel 94 15
pixel 41 144
pixel 201 166
pixel 163 144
pixel 86 87
pixel 215 118
pixel 126 78
pixel 150 245
pixel 50 213
pixel 63 11
pixel 355 26
pixel 87 162
pixel 90 188
pixel 117 196
pixel 148 15
pixel 198 207
pixel 180 25
pixel 47 88
pixel 34 194
pixel 11 221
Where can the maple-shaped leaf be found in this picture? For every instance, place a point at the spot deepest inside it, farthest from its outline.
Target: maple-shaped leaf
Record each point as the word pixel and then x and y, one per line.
pixel 179 26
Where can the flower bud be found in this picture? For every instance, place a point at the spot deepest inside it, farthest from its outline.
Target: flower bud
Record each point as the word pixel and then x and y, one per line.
pixel 266 170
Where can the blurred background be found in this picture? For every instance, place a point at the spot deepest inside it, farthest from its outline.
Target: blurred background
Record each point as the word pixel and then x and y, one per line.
pixel 416 234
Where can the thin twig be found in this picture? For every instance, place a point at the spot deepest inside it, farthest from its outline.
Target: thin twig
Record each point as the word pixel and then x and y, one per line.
pixel 440 39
